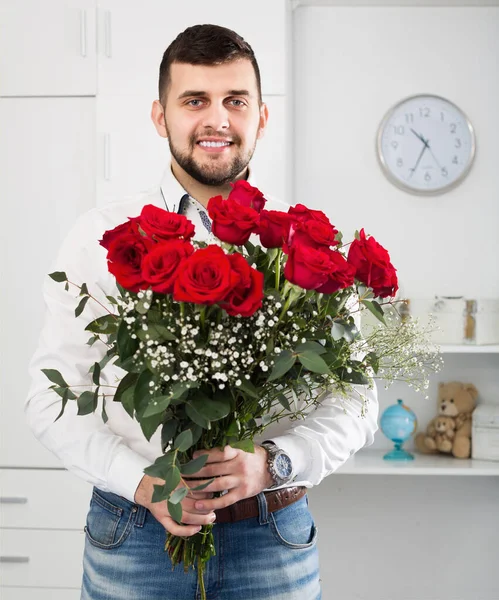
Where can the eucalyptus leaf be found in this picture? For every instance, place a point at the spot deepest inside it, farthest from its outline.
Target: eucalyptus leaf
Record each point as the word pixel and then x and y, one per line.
pixel 104 324
pixel 55 377
pixel 197 417
pixel 149 425
pixel 309 345
pixel 159 494
pixel 211 410
pixel 178 495
pixel 247 387
pixel 64 402
pixel 58 276
pixel 175 511
pixel 104 413
pixel 282 363
pixel 157 405
pixel 202 486
pixel 162 466
pixel 87 402
pixel 194 465
pixel 127 346
pixel 112 300
pixel 168 432
pixel 246 445
pixel 376 309
pixel 96 374
pixel 81 306
pixel 183 441
pixel 61 391
pixel 143 392
pixel 125 392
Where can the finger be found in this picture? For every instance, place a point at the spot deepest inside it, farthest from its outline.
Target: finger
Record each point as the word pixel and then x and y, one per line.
pixel 200 495
pixel 216 469
pixel 188 504
pixel 220 484
pixel 218 454
pixel 217 503
pixel 181 530
pixel 196 518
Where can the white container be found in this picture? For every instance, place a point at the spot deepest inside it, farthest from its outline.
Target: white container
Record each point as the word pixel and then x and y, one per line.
pixel 448 313
pixel 485 432
pixel 485 312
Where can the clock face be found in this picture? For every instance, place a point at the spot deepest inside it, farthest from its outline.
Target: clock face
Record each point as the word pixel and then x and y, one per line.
pixel 425 144
pixel 283 466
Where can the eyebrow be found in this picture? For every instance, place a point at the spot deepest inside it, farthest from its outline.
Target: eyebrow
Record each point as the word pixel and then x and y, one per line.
pixel 195 93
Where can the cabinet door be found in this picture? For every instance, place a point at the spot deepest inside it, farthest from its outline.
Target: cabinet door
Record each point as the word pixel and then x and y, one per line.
pixel 133 38
pixel 48 48
pixel 48 179
pixel 131 156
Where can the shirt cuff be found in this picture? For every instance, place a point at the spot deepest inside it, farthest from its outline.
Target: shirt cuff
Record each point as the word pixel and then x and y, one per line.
pixel 127 469
pixel 298 450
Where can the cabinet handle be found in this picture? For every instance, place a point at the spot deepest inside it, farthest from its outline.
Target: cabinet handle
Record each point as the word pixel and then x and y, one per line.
pixel 107 156
pixel 12 500
pixel 14 559
pixel 107 33
pixel 83 33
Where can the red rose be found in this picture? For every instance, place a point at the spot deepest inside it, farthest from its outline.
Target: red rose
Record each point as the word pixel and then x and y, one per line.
pixel 232 223
pixel 341 274
pixel 161 265
pixel 161 224
pixel 246 296
pixel 128 228
pixel 307 267
pixel 124 258
pixel 274 228
pixel 316 234
pixel 372 266
pixel 206 277
pixel 246 195
pixel 300 212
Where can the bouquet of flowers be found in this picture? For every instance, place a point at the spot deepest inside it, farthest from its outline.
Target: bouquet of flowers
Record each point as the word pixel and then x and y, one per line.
pixel 219 340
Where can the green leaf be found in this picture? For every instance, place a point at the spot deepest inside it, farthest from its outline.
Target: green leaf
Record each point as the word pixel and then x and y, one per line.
pixel 157 405
pixel 178 495
pixel 211 410
pixel 87 402
pixel 62 390
pixel 55 377
pixel 246 445
pixel 233 429
pixel 194 465
pixel 149 425
pixel 143 305
pixel 81 306
pixel 64 402
pixel 247 387
pixel 83 289
pixel 58 276
pixel 159 494
pixel 162 466
pixel 96 374
pixel 156 332
pixel 183 441
pixel 175 511
pixel 143 392
pixel 125 392
pixel 112 300
pixel 195 416
pixel 66 287
pixel 282 363
pixel 309 345
pixel 167 432
pixel 127 346
pixel 313 362
pixel 337 331
pixel 250 248
pixel 104 413
pixel 284 401
pixel 376 309
pixel 202 486
pixel 104 324
pixel 92 340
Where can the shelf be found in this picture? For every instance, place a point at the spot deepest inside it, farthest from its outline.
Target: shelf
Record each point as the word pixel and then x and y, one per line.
pixel 371 462
pixel 469 349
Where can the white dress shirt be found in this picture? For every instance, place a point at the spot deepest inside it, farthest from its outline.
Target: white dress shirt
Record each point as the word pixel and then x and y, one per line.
pixel 112 455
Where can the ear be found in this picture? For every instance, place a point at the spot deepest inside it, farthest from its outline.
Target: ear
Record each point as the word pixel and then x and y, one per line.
pixel 471 389
pixel 158 118
pixel 264 117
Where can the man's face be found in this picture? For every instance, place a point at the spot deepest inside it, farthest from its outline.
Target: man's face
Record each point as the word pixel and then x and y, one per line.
pixel 213 119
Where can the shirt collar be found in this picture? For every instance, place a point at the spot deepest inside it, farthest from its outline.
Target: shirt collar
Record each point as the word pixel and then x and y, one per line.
pixel 173 192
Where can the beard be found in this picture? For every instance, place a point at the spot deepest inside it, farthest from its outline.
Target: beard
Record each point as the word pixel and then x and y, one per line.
pixel 214 172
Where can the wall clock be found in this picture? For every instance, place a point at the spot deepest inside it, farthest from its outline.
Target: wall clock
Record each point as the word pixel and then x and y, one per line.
pixel 425 144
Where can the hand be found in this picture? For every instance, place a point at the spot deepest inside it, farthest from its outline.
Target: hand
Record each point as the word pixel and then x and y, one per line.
pixel 418 161
pixel 243 474
pixel 192 518
pixel 427 145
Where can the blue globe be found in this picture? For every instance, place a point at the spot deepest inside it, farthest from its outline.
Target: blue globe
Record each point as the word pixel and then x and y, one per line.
pixel 398 422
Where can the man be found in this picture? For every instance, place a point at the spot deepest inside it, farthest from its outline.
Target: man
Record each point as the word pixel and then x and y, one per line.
pixel 211 112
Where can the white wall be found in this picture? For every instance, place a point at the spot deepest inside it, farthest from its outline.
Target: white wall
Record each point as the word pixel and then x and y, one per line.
pixel 404 537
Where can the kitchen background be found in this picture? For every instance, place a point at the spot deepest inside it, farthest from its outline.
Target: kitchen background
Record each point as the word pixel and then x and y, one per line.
pixel 77 79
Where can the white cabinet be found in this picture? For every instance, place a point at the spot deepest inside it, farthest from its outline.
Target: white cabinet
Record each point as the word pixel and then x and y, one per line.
pixel 48 179
pixel 48 48
pixel 133 37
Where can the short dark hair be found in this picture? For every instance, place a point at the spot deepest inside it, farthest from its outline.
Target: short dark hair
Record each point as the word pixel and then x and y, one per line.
pixel 205 45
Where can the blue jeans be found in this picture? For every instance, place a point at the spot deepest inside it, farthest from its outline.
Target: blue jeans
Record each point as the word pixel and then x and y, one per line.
pixel 272 557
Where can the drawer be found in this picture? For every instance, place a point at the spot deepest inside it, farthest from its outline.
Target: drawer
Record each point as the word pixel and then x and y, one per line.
pixel 43 499
pixel 40 558
pixel 18 593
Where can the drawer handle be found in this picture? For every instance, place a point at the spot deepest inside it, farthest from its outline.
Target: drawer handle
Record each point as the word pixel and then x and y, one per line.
pixel 14 559
pixel 12 500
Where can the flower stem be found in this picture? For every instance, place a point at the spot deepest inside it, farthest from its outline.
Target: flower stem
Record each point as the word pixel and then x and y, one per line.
pixel 94 299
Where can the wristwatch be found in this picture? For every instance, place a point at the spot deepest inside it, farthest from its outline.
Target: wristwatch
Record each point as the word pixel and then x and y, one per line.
pixel 279 464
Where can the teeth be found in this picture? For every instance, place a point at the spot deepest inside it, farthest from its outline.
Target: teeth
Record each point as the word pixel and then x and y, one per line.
pixel 214 144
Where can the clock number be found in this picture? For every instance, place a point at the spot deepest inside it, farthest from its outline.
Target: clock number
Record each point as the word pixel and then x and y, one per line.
pixel 400 162
pixel 399 129
pixel 442 117
pixel 454 160
pixel 427 176
pixel 409 118
pixel 424 112
pixel 458 143
pixel 395 144
pixel 453 127
pixel 444 172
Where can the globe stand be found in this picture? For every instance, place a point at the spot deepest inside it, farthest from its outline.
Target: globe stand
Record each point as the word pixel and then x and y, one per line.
pixel 398 453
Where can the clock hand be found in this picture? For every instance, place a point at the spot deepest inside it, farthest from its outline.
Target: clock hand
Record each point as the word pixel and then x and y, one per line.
pixel 427 144
pixel 419 136
pixel 417 162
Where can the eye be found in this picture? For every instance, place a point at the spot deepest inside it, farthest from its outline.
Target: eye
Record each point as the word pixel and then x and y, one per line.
pixel 241 103
pixel 451 400
pixel 194 100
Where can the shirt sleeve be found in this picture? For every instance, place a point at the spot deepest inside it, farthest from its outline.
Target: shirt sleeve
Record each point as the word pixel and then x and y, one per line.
pixel 338 428
pixel 84 444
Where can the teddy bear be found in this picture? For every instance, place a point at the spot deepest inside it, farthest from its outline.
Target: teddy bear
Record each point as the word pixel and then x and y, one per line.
pixel 456 401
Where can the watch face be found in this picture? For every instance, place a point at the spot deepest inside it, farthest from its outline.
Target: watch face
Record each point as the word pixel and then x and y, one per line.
pixel 283 466
pixel 425 144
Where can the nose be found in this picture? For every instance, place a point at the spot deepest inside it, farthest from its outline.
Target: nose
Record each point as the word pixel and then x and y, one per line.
pixel 216 117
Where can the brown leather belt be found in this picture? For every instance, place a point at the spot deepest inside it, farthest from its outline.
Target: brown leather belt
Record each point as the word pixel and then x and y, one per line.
pixel 248 508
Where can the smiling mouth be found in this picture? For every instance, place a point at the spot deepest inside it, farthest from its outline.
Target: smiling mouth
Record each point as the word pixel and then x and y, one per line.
pixel 214 144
